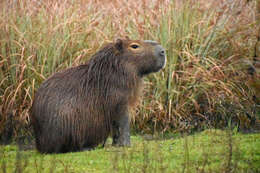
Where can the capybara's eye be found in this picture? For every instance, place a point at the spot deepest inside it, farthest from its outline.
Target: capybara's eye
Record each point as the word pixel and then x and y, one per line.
pixel 134 46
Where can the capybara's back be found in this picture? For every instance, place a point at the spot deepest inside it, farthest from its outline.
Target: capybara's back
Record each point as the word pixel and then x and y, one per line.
pixel 78 108
pixel 61 114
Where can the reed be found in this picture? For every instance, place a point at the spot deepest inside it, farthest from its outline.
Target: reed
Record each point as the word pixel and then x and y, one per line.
pixel 200 87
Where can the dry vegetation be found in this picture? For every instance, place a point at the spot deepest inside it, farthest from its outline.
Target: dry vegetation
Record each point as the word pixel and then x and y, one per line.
pixel 210 47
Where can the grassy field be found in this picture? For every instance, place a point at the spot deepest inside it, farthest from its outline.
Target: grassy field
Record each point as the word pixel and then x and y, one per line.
pixel 208 151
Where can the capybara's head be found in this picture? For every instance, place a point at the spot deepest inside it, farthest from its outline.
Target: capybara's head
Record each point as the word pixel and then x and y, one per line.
pixel 146 56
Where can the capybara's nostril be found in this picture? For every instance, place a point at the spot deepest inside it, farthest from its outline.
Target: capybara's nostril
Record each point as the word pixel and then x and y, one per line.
pixel 162 53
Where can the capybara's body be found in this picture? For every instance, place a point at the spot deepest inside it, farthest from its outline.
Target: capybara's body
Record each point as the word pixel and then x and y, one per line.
pixel 78 108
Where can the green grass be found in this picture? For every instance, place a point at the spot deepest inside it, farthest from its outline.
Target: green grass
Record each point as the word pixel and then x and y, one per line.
pixel 207 151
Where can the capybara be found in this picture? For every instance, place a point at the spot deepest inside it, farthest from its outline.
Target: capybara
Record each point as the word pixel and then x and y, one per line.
pixel 80 107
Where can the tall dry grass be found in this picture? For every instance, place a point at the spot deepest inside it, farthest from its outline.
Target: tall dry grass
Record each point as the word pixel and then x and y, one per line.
pixel 208 45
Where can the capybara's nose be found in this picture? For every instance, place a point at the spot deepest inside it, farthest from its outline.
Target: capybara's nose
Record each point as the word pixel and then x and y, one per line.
pixel 162 53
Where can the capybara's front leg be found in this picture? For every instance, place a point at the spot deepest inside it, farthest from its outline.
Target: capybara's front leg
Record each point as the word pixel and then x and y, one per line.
pixel 121 131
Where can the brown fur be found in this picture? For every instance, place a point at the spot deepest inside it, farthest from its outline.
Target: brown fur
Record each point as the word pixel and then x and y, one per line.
pixel 76 108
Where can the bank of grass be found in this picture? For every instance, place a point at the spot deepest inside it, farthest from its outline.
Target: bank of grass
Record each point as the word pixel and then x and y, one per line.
pixel 207 151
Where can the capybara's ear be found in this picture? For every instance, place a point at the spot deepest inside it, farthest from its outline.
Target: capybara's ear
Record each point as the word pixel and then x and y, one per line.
pixel 119 44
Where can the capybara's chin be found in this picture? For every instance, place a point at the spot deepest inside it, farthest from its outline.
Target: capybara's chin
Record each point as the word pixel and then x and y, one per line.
pixel 80 107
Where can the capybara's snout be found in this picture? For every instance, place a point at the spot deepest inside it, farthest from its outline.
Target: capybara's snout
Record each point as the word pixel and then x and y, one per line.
pixel 159 53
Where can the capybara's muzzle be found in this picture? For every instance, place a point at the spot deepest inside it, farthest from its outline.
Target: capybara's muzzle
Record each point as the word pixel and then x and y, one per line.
pixel 160 53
